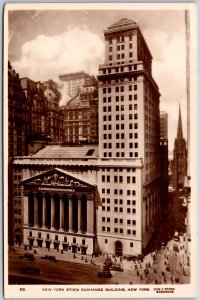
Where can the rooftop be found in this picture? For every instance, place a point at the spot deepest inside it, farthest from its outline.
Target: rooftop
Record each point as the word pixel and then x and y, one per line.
pixel 57 151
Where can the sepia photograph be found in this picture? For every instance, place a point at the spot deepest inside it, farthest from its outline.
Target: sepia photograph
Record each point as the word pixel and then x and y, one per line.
pixel 100 150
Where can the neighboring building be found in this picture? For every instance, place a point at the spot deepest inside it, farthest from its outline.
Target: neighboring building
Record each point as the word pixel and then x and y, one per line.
pixel 164 125
pixel 18 126
pixel 164 177
pixel 164 162
pixel 179 164
pixel 89 198
pixel 55 115
pixel 32 118
pixel 72 83
pixel 81 115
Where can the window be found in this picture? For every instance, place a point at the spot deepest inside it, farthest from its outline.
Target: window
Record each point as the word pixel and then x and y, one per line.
pixel 135 97
pixel 135 116
pixel 103 208
pixel 128 231
pixel 130 107
pixel 47 236
pixel 135 87
pixel 56 237
pixel 106 241
pixel 108 208
pixel 131 245
pixel 121 230
pixel 133 222
pixel 130 54
pixel 103 228
pixel 128 222
pixel 104 91
pixel 109 90
pixel 65 239
pixel 122 98
pixel 122 89
pixel 136 126
pixel 130 97
pixel 128 210
pixel 133 211
pixel 108 178
pixel 133 232
pixel 103 219
pixel 116 201
pixel 108 229
pixel 116 89
pixel 109 99
pixel 115 220
pixel 130 46
pixel 116 230
pixel 30 233
pixel 115 209
pixel 83 241
pixel 130 117
pixel 121 209
pixel 110 49
pixel 110 57
pixel 130 88
pixel 103 178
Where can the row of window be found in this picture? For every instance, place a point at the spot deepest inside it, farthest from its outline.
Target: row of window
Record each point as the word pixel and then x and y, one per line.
pixel 119 230
pixel 106 242
pixel 119 201
pixel 119 192
pixel 120 39
pixel 117 98
pixel 120 89
pixel 119 209
pixel 121 47
pixel 120 154
pixel 56 237
pixel 119 179
pixel 120 108
pixel 121 56
pixel 118 169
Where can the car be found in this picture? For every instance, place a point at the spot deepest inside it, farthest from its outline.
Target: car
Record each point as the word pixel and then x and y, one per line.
pixel 27 256
pixel 30 270
pixel 49 257
pixel 117 267
pixel 104 274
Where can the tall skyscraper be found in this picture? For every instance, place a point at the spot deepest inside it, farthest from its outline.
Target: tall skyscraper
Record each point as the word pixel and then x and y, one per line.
pixel 129 125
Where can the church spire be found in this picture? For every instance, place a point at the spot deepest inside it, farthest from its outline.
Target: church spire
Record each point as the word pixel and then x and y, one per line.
pixel 179 129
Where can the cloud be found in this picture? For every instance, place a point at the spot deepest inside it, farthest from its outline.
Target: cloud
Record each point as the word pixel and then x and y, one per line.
pixel 48 56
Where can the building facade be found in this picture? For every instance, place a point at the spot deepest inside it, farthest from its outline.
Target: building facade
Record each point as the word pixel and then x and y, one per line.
pixel 179 163
pixel 115 184
pixel 164 125
pixel 129 121
pixel 72 82
pixel 81 115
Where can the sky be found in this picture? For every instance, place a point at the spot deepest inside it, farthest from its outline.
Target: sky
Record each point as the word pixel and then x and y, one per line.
pixel 42 44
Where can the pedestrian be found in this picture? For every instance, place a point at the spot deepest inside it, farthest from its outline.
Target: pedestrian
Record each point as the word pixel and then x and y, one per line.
pixel 180 264
pixel 141 277
pixel 91 261
pixel 138 274
pixel 156 281
pixel 86 259
pixel 82 257
pixel 140 266
pixel 165 280
pixel 135 267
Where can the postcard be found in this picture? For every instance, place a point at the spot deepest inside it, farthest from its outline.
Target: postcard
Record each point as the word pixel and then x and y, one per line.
pixel 100 153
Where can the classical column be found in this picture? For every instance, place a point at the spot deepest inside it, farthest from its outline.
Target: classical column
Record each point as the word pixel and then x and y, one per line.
pixel 90 214
pixel 70 213
pixel 61 213
pixel 44 207
pixel 35 210
pixel 52 211
pixel 26 209
pixel 79 214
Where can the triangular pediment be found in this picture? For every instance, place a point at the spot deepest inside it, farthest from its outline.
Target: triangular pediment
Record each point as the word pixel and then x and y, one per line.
pixel 56 177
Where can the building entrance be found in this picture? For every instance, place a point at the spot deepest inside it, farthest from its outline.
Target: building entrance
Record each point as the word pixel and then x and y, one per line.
pixel 39 243
pixel 74 249
pixel 118 248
